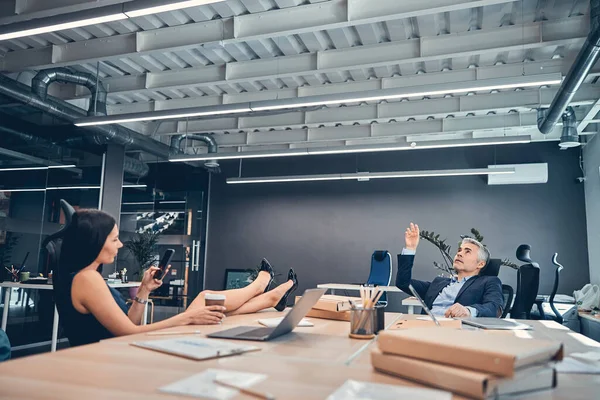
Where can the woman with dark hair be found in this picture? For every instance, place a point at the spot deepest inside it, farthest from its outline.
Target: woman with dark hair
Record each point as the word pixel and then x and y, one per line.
pixel 91 311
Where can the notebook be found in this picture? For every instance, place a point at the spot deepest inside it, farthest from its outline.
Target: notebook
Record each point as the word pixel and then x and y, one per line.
pixel 196 348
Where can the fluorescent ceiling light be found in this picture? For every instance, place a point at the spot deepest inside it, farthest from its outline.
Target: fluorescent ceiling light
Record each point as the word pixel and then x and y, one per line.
pixel 419 91
pixel 143 203
pixel 66 188
pixel 141 8
pixel 357 149
pixel 94 16
pixel 330 99
pixel 36 168
pixel 365 176
pixel 160 115
pixel 60 22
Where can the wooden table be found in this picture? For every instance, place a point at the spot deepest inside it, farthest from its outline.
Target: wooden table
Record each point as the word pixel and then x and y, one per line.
pixel 309 363
pixel 8 286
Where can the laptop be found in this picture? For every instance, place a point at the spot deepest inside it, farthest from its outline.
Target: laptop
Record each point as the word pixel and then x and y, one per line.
pixel 287 324
pixel 427 310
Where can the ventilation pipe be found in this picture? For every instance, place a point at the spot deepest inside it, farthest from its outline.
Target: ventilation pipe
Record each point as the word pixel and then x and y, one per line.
pixel 587 57
pixel 130 165
pixel 42 81
pixel 570 136
pixel 210 141
pixel 65 111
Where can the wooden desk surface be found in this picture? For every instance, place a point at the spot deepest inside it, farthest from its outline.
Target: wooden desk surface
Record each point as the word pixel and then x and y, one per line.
pixel 309 363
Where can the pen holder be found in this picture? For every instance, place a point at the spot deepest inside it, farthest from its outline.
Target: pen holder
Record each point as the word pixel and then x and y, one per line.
pixel 362 323
pixel 24 276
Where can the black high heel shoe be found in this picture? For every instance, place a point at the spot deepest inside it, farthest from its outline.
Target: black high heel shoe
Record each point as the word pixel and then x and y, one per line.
pixel 283 302
pixel 265 266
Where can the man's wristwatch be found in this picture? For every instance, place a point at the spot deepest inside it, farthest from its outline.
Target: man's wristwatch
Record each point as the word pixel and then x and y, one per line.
pixel 141 301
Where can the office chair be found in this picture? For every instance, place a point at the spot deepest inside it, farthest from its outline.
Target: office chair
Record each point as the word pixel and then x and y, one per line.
pixel 492 268
pixel 507 293
pixel 528 282
pixel 53 242
pixel 540 299
pixel 381 271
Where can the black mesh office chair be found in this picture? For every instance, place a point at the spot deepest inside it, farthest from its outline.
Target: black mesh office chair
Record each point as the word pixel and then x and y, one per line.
pixel 507 293
pixel 540 299
pixel 53 242
pixel 528 282
pixel 492 268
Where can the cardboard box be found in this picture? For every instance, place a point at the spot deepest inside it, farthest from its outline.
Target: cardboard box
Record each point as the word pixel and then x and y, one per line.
pixel 477 350
pixel 335 315
pixel 475 384
pixel 329 302
pixel 413 323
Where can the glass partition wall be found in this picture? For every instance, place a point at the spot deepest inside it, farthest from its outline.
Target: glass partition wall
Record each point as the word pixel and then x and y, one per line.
pixel 33 179
pixel 167 214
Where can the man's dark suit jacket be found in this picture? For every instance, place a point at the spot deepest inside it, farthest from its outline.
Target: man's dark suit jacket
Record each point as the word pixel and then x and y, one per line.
pixel 483 293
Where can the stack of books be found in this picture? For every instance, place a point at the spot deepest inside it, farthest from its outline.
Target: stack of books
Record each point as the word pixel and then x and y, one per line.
pixel 332 307
pixel 475 364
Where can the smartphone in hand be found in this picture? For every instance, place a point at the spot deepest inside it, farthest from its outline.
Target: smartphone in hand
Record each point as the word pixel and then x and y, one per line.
pixel 164 263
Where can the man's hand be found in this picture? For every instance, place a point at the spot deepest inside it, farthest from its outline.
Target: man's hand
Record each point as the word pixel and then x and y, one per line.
pixel 411 237
pixel 457 310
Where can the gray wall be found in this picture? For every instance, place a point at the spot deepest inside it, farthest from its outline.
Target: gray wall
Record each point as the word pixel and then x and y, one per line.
pixel 327 231
pixel 591 156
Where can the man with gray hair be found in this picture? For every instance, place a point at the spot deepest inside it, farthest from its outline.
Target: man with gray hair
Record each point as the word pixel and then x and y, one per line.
pixel 467 294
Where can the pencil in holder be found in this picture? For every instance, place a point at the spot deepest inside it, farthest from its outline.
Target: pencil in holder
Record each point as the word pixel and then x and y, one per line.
pixel 362 323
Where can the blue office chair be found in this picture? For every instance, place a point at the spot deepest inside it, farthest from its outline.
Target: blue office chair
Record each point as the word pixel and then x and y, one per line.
pixel 381 271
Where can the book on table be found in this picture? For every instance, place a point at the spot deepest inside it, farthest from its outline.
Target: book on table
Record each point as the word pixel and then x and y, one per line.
pixel 462 381
pixel 477 350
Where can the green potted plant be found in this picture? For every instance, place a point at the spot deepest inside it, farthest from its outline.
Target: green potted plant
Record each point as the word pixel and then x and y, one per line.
pixel 445 250
pixel 143 247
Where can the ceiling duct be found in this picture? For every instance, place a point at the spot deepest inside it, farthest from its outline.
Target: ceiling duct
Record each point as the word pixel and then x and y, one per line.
pixel 587 57
pixel 42 81
pixel 570 136
pixel 211 165
pixel 65 111
pixel 131 166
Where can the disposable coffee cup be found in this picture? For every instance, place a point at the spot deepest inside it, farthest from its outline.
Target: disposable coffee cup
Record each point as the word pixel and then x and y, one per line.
pixel 211 299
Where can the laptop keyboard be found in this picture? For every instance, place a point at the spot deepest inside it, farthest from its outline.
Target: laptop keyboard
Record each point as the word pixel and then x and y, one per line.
pixel 258 332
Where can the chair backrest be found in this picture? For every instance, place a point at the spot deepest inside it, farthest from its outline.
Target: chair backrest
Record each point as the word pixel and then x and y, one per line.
pixel 492 268
pixel 528 282
pixel 507 293
pixel 559 267
pixel 381 271
pixel 53 242
pixel 381 268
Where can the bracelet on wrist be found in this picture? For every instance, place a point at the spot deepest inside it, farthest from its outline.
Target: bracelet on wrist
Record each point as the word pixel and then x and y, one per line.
pixel 141 301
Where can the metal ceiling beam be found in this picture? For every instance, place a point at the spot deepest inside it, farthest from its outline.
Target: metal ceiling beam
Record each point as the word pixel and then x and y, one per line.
pixel 590 117
pixel 524 100
pixel 221 33
pixel 461 75
pixel 515 124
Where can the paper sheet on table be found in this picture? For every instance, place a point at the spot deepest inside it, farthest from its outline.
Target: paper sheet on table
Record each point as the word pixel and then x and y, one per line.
pixel 273 322
pixel 580 363
pixel 438 318
pixel 202 385
pixel 356 390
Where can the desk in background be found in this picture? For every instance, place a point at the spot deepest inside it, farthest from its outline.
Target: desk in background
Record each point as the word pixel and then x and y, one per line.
pixel 590 325
pixel 8 286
